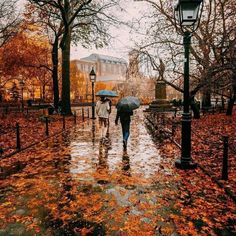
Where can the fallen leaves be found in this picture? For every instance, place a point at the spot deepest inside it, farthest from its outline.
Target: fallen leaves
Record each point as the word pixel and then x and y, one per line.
pixel 203 208
pixel 125 202
pixel 32 129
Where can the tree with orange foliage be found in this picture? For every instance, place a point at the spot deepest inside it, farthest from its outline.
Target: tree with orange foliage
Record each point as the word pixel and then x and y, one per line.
pixel 78 82
pixel 44 17
pixel 26 56
pixel 81 21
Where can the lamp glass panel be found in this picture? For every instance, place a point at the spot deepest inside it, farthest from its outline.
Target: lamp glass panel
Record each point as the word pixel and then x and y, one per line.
pixel 189 13
pixel 92 75
pixel 92 78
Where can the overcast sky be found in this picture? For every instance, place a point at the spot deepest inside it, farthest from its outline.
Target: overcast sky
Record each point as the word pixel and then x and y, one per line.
pixel 120 46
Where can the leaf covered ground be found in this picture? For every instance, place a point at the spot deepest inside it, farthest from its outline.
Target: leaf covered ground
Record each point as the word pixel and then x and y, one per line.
pixel 32 128
pixel 71 184
pixel 207 145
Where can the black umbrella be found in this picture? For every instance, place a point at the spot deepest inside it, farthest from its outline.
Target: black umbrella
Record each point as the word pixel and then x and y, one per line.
pixel 128 104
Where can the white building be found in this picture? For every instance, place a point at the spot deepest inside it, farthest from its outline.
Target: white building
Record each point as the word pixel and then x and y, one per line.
pixel 108 69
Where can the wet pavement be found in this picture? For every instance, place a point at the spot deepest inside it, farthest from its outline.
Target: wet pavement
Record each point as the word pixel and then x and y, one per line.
pixel 75 185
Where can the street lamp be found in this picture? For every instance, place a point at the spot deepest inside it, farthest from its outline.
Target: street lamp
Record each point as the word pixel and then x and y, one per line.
pixel 92 76
pixel 188 17
pixel 22 83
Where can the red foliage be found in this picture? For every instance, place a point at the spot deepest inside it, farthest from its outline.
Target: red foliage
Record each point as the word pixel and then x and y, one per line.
pixel 32 129
pixel 207 145
pixel 203 207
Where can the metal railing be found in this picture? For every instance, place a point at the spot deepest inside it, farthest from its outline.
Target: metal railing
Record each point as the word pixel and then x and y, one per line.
pixel 222 150
pixel 17 137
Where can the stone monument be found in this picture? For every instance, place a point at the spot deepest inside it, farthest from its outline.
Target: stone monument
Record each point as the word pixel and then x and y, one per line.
pixel 160 103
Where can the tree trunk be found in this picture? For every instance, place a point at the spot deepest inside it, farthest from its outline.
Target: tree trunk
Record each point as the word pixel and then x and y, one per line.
pixel 55 73
pixel 222 103
pixel 230 106
pixel 66 106
pixel 231 101
pixel 41 93
pixel 44 92
pixel 206 100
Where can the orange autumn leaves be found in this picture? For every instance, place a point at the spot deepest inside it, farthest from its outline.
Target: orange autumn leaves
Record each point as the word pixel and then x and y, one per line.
pixel 32 129
pixel 46 191
pixel 203 208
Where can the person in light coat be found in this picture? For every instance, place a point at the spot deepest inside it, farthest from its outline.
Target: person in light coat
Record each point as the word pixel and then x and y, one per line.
pixel 103 111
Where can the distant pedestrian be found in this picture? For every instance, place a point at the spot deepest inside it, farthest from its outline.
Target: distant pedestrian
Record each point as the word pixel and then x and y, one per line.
pixel 125 119
pixel 59 105
pixel 103 112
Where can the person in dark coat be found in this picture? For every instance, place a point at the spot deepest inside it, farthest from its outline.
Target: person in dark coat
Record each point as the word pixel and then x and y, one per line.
pixel 125 119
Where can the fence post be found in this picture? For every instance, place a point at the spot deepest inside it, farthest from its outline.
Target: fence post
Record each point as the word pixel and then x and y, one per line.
pixel 175 113
pixel 74 117
pixel 88 112
pixel 225 158
pixel 82 113
pixel 1 152
pixel 46 122
pixel 18 147
pixel 64 122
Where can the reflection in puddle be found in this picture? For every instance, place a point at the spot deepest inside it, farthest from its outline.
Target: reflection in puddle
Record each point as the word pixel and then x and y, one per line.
pixel 143 155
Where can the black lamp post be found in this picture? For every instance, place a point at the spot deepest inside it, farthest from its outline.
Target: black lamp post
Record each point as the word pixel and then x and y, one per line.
pixel 92 76
pixel 22 83
pixel 188 17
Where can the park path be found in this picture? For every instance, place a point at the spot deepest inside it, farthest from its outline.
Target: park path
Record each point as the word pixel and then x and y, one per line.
pixel 76 186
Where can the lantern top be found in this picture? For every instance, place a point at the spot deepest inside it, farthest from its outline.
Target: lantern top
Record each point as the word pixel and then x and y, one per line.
pixel 92 75
pixel 187 13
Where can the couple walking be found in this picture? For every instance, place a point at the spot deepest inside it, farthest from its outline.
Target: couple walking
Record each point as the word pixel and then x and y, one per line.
pixel 103 110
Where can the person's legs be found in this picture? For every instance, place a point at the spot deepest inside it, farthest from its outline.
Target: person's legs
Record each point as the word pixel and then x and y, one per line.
pixel 125 131
pixel 108 125
pixel 103 127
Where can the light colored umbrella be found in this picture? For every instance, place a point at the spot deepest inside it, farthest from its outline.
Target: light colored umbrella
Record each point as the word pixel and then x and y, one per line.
pixel 128 104
pixel 106 93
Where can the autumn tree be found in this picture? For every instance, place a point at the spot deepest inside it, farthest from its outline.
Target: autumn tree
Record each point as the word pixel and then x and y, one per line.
pixel 79 82
pixel 9 26
pixel 81 17
pixel 85 33
pixel 50 23
pixel 28 56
